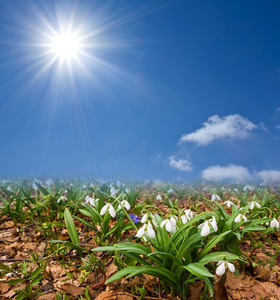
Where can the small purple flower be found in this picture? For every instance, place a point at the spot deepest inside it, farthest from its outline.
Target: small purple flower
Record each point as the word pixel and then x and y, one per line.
pixel 134 218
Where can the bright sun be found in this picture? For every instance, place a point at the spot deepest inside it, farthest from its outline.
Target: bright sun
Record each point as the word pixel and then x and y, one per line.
pixel 65 46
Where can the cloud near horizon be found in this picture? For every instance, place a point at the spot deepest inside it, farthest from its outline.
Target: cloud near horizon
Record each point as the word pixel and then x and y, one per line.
pixel 231 126
pixel 181 164
pixel 230 172
pixel 269 176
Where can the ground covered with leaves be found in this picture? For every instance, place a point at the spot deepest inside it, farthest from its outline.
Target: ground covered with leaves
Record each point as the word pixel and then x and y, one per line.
pixel 70 239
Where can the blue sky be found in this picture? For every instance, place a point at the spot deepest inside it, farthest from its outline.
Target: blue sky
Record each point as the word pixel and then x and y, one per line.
pixel 152 89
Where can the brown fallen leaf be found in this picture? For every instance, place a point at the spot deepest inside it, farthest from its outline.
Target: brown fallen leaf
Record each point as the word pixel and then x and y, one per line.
pixel 72 289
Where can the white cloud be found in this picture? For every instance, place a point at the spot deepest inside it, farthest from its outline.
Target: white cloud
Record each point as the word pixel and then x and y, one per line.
pixel 278 109
pixel 263 127
pixel 230 172
pixel 231 126
pixel 278 126
pixel 269 176
pixel 181 164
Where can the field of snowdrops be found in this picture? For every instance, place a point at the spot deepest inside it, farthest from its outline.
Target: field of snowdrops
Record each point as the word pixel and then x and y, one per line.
pixel 90 239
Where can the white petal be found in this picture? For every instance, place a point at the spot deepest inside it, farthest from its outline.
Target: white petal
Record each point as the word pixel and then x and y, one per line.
pixel 231 267
pixel 205 229
pixel 252 205
pixel 213 222
pixel 237 219
pixel 163 223
pixel 168 226
pixel 144 218
pixel 221 269
pixel 244 218
pixel 184 219
pixel 112 211
pixel 173 221
pixel 103 210
pixel 141 231
pixel 258 205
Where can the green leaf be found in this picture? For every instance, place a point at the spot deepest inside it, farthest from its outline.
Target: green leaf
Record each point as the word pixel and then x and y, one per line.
pixel 42 189
pixel 72 231
pixel 15 281
pixel 198 269
pixel 217 256
pixel 213 242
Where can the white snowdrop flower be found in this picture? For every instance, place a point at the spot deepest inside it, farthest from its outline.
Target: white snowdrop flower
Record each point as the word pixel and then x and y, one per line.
pixel 222 266
pixel 239 218
pixel 170 224
pixel 49 182
pixel 35 187
pixel 248 187
pixel 187 216
pixel 71 184
pixel 124 204
pixel 66 192
pixel 9 188
pixel 170 191
pixel 91 185
pixel 274 223
pixel 149 217
pixel 213 223
pixel 147 229
pixel 108 207
pixel 127 190
pixel 62 198
pixel 253 204
pixel 118 183
pixel 84 186
pixel 205 226
pixel 90 200
pixel 215 197
pixel 235 190
pixel 158 197
pixel 113 191
pixel 228 203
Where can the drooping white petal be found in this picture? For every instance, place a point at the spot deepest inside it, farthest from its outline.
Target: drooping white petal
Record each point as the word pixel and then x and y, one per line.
pixel 213 222
pixel 169 226
pixel 112 211
pixel 221 269
pixel 158 197
pixel 184 219
pixel 150 230
pixel 238 218
pixel 141 231
pixel 231 267
pixel 205 229
pixel 163 223
pixel 104 209
pixel 144 218
pixel 274 223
